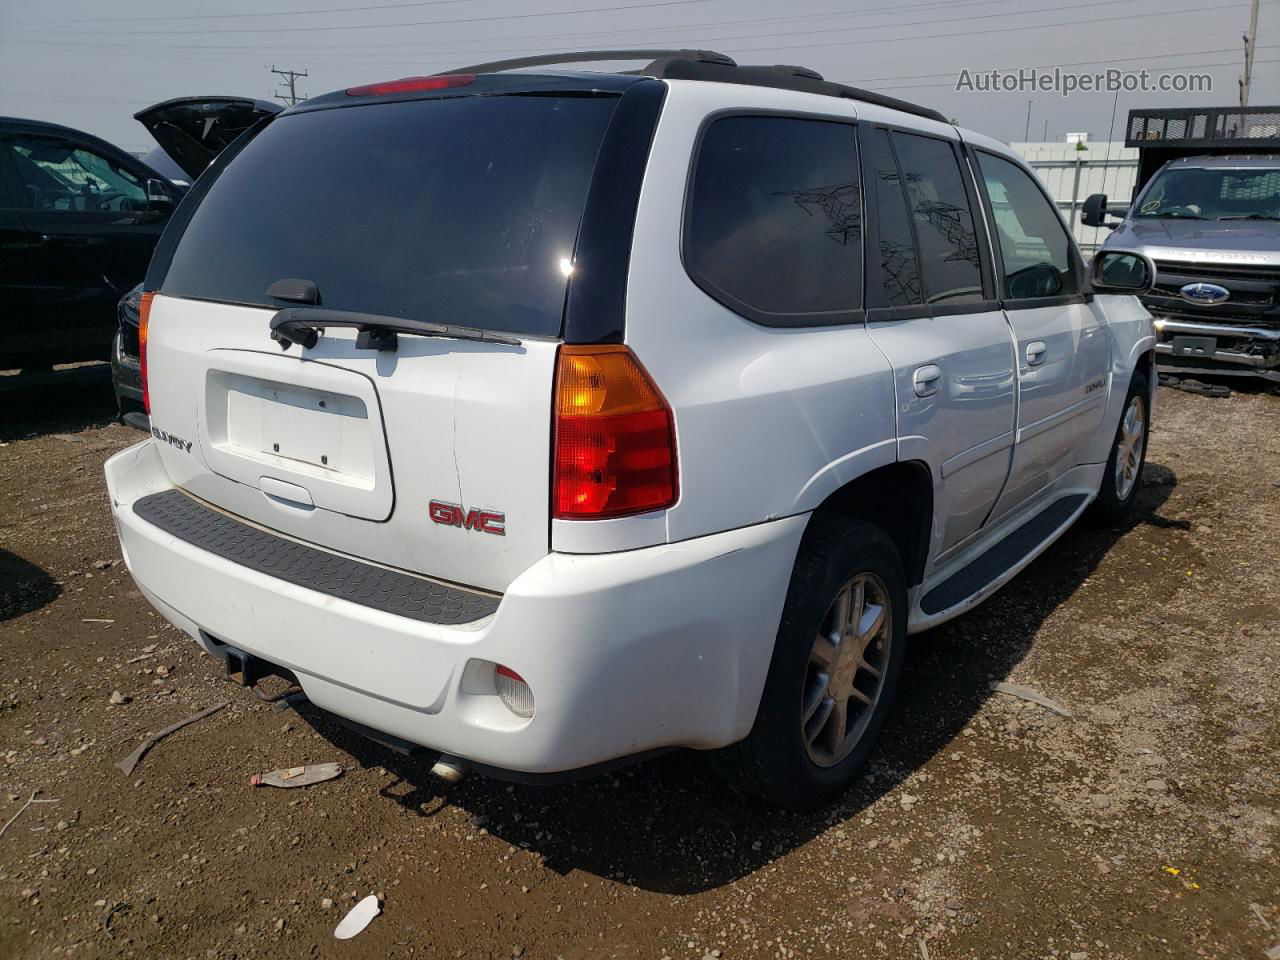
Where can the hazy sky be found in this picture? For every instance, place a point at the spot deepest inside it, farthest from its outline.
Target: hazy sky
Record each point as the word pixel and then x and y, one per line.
pixel 92 63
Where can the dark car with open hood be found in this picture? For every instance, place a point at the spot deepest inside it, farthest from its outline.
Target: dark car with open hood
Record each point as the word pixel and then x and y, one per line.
pixel 79 218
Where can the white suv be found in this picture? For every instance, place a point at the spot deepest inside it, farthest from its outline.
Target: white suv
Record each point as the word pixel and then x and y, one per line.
pixel 548 419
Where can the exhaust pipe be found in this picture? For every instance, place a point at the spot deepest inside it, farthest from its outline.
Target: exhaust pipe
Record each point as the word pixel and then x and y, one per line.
pixel 450 769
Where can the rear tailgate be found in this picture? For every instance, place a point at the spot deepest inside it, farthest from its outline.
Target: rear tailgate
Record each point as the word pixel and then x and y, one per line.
pixel 347 448
pixel 433 457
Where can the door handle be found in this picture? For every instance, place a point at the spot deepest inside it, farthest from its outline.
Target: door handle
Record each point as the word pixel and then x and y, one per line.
pixel 926 380
pixel 1036 352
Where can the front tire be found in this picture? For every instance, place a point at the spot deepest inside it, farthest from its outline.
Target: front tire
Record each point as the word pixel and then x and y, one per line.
pixel 835 668
pixel 1123 474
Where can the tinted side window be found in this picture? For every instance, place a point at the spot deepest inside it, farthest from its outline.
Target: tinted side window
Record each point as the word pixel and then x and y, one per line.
pixel 58 174
pixel 944 222
pixel 899 269
pixel 1033 241
pixel 775 223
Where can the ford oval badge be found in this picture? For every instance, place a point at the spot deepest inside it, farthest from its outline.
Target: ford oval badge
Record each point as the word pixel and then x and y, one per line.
pixel 1205 293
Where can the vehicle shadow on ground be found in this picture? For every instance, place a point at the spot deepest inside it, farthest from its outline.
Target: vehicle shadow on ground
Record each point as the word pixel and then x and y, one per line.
pixel 59 401
pixel 24 587
pixel 669 826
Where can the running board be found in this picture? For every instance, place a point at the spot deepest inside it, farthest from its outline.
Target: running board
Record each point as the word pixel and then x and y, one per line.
pixel 1000 559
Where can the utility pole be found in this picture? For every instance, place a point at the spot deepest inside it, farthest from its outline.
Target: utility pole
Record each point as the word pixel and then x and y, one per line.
pixel 291 78
pixel 1250 41
pixel 1045 136
pixel 1027 134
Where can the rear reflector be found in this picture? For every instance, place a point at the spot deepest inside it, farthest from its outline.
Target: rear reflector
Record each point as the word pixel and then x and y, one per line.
pixel 412 85
pixel 615 444
pixel 513 691
pixel 144 325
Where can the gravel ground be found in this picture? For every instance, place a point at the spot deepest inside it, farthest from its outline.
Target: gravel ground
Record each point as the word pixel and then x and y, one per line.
pixel 1144 825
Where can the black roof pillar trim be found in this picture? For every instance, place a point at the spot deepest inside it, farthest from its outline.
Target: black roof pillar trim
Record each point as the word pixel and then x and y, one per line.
pixel 596 302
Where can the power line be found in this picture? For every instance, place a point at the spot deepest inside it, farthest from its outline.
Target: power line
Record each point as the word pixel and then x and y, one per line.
pixel 840 43
pixel 240 16
pixel 421 63
pixel 862 81
pixel 667 3
pixel 969 33
pixel 294 28
pixel 875 11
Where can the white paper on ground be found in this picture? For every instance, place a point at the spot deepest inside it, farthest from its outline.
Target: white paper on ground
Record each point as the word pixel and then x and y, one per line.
pixel 358 918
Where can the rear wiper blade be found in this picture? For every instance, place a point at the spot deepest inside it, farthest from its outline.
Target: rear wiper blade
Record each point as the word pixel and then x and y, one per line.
pixel 302 325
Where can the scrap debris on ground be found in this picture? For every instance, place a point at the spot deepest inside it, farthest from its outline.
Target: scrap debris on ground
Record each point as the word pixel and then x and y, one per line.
pixel 986 826
pixel 127 765
pixel 303 776
pixel 1031 696
pixel 360 916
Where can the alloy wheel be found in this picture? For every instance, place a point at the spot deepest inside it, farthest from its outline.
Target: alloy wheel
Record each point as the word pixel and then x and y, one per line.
pixel 846 670
pixel 1133 430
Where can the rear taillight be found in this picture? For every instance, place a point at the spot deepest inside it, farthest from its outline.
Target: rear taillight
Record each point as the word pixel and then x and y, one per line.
pixel 412 85
pixel 615 441
pixel 144 324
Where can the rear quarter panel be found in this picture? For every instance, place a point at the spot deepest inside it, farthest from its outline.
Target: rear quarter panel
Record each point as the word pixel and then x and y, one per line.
pixel 769 421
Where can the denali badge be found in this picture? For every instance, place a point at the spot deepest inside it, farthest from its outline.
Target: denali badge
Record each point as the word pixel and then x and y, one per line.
pixel 453 515
pixel 1206 293
pixel 166 437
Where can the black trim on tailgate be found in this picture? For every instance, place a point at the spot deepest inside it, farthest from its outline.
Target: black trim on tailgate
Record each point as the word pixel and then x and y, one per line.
pixel 377 587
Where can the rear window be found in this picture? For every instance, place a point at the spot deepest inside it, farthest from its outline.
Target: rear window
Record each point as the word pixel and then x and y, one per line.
pixel 459 210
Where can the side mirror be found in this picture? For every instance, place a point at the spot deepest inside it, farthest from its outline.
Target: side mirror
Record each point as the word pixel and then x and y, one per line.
pixel 157 194
pixel 1122 271
pixel 1093 213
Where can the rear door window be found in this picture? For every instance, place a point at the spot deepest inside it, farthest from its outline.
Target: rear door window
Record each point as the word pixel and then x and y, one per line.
pixel 943 219
pixel 774 224
pixel 460 210
pixel 899 267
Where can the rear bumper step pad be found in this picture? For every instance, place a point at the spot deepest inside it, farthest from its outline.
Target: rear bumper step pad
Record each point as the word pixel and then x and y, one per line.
pixel 377 587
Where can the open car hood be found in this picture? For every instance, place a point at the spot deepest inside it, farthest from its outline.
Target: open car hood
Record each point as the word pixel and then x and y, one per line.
pixel 194 130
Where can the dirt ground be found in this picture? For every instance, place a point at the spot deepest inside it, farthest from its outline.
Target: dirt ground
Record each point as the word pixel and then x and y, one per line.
pixel 1145 825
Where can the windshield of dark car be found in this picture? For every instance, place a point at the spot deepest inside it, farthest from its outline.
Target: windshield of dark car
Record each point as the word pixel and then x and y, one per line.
pixel 459 210
pixel 1213 193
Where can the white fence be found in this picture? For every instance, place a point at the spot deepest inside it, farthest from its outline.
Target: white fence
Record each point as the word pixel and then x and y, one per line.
pixel 1071 175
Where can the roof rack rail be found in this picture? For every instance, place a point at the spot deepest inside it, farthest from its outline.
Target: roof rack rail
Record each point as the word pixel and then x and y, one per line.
pixel 708 65
pixel 595 56
pixel 782 77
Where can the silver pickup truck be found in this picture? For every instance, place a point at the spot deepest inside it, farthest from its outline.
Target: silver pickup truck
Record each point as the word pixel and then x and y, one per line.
pixel 1210 221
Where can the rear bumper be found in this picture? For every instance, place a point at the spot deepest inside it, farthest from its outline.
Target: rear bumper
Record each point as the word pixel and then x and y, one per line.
pixel 1218 348
pixel 625 652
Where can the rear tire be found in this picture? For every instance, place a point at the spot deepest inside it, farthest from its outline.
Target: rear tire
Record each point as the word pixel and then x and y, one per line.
pixel 1123 474
pixel 835 669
